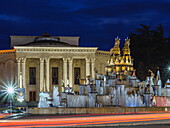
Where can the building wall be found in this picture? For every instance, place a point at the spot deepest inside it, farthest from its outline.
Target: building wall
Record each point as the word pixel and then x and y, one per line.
pixel 56 63
pixel 32 55
pixel 82 64
pixel 101 59
pixel 8 68
pixel 9 72
pixel 32 63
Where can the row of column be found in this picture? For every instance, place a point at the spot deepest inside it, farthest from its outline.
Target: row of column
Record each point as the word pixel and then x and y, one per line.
pixel 70 63
pixel 44 81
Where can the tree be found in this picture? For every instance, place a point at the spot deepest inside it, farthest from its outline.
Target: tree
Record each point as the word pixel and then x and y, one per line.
pixel 150 49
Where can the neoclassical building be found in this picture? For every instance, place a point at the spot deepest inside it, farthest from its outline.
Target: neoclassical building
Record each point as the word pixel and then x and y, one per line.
pixel 38 63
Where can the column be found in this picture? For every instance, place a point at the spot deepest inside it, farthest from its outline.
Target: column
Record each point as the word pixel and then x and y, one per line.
pixel 92 67
pixel 65 70
pixel 87 67
pixel 70 72
pixel 42 74
pixel 23 73
pixel 47 73
pixel 19 72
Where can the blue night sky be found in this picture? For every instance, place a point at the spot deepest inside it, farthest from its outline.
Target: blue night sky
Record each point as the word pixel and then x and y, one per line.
pixel 97 22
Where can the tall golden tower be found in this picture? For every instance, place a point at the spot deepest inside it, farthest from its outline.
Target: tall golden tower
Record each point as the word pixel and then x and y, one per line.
pixel 120 64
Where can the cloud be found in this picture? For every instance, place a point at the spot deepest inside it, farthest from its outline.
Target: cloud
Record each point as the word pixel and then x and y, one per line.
pixel 97 22
pixel 9 17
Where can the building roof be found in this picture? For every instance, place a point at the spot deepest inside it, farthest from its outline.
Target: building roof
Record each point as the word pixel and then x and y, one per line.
pixel 50 41
pixel 47 41
pixel 7 51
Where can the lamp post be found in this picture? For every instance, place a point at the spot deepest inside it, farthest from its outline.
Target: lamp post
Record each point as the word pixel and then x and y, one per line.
pixel 10 92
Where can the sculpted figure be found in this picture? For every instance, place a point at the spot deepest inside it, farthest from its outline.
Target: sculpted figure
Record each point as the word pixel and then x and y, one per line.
pixel 117 41
pixel 127 42
pixel 151 73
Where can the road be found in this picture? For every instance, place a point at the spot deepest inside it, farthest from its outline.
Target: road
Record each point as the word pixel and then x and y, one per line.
pixel 87 120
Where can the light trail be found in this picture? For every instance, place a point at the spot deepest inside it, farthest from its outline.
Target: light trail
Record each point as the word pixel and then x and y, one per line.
pixel 78 121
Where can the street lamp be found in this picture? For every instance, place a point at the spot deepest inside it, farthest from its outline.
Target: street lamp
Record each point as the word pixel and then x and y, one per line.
pixel 10 92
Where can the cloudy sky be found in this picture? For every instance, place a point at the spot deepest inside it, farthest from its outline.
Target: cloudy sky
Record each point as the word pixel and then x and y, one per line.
pixel 97 22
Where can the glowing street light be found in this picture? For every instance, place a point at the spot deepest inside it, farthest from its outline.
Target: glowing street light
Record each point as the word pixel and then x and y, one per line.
pixel 10 90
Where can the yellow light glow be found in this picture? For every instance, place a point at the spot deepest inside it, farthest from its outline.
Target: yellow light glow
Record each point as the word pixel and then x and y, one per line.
pixel 117 69
pixel 123 68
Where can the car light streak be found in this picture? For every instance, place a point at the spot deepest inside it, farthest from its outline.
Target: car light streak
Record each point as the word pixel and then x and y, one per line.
pixel 77 121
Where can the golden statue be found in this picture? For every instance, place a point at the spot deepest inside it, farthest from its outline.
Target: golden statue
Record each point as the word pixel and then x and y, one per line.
pixel 117 41
pixel 115 49
pixel 126 49
pixel 127 42
pixel 151 73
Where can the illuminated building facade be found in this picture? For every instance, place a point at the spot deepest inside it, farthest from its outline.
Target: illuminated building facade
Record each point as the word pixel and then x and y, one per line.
pixel 38 63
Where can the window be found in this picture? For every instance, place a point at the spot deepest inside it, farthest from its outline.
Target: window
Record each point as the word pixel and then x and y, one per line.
pixel 54 75
pixel 76 75
pixel 32 96
pixel 32 75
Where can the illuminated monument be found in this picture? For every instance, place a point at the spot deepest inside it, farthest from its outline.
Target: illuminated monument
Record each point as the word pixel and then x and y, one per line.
pixel 120 64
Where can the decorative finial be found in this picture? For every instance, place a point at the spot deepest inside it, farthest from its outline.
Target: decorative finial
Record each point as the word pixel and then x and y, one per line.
pixel 117 41
pixel 127 42
pixel 134 75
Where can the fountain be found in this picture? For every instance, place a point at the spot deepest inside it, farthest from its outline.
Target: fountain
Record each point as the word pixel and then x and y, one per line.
pixel 77 101
pixel 56 98
pixel 44 100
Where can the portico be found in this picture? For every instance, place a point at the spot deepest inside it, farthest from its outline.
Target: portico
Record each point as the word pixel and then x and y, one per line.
pixel 45 58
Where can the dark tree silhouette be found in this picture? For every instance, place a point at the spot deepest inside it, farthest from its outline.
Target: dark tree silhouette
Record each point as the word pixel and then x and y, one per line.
pixel 150 49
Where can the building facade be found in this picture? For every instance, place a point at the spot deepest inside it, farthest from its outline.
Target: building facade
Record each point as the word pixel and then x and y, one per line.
pixel 38 63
